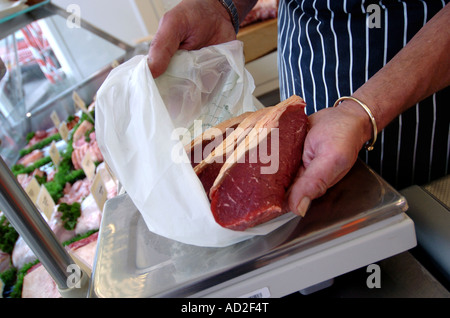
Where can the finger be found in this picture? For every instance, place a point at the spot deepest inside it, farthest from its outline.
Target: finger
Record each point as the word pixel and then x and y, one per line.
pixel 163 46
pixel 313 181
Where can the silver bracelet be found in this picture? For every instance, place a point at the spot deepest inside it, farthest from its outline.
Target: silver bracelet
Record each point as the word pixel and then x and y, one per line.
pixel 231 8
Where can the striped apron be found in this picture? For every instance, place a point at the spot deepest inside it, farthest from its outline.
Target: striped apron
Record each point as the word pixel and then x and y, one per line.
pixel 328 49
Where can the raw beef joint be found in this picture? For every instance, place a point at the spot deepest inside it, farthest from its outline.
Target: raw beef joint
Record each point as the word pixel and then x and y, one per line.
pixel 201 146
pixel 251 186
pixel 208 169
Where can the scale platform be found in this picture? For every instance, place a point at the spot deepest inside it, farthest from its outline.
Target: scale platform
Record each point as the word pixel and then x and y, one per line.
pixel 358 222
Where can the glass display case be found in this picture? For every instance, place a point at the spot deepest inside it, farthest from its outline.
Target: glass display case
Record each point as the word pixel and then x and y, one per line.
pixel 47 54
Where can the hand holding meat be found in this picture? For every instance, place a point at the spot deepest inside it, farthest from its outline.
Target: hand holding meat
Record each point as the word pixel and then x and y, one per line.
pixel 336 135
pixel 333 141
pixel 246 177
pixel 309 163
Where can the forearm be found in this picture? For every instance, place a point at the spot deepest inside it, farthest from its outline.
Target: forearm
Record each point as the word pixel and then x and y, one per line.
pixel 420 69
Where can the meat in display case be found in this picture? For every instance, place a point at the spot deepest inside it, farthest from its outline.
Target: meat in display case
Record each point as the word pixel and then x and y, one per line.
pixel 51 70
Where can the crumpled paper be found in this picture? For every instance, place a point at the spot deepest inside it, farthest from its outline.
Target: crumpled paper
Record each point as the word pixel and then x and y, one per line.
pixel 141 124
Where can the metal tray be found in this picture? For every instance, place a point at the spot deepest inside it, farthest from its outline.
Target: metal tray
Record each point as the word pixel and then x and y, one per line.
pixel 133 262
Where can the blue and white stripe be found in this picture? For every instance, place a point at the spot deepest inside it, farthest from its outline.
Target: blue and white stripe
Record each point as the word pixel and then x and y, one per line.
pixel 326 51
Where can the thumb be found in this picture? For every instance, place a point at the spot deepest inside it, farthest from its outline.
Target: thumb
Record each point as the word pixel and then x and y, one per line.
pixel 162 47
pixel 313 181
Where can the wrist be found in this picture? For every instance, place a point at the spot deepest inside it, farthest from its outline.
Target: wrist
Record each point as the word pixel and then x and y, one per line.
pixel 243 7
pixel 363 115
pixel 232 12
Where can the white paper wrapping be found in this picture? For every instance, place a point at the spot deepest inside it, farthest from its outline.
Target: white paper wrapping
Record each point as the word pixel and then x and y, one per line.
pixel 136 117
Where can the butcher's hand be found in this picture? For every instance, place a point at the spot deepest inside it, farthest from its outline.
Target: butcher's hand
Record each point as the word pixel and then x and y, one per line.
pixel 190 25
pixel 335 137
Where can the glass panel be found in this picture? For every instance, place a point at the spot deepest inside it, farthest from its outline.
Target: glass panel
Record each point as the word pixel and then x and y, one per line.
pixel 11 9
pixel 43 60
pixel 47 57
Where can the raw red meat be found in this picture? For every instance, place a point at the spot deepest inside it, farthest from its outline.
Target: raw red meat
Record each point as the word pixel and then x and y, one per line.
pixel 5 261
pixel 201 146
pixel 243 195
pixel 90 217
pixel 263 10
pixel 208 169
pixel 76 192
pixel 80 147
pixel 31 158
pixel 77 244
pixel 38 283
pixel 41 135
pixel 81 131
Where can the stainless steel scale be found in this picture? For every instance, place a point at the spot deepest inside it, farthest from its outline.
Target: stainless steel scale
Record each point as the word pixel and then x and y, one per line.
pixel 359 221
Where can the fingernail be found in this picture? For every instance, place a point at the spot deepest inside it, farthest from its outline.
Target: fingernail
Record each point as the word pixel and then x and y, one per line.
pixel 303 206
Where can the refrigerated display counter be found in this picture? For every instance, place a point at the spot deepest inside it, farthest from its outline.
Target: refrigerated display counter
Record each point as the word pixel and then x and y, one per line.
pixel 48 54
